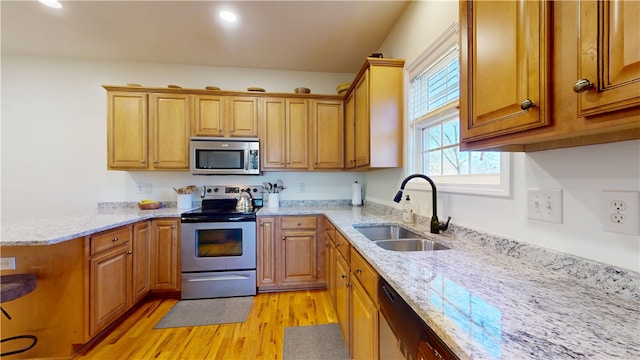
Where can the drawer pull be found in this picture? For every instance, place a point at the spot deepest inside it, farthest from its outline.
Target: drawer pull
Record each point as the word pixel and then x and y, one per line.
pixel 114 239
pixel 527 104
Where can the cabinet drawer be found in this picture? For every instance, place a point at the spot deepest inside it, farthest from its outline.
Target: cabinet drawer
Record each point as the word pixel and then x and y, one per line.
pixel 367 276
pixel 110 239
pixel 299 222
pixel 343 245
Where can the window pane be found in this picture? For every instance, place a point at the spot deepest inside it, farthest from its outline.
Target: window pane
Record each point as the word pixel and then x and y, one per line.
pixel 451 132
pixel 485 162
pixel 455 162
pixel 434 162
pixel 434 137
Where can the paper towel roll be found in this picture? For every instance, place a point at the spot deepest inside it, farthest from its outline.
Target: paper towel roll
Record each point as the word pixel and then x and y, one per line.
pixel 356 194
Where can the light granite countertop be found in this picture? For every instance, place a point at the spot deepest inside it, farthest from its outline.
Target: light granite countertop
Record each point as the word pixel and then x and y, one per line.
pixel 487 297
pixel 493 298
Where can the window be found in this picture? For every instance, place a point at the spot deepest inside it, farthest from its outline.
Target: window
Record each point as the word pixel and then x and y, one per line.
pixel 434 139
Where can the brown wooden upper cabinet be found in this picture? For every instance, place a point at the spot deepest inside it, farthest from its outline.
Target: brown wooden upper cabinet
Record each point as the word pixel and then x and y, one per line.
pixel 225 116
pixel 284 133
pixel 538 75
pixel 327 139
pixel 504 62
pixel 148 131
pixel 374 116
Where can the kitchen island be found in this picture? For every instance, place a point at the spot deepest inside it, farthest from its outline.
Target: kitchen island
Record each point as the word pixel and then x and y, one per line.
pixel 486 298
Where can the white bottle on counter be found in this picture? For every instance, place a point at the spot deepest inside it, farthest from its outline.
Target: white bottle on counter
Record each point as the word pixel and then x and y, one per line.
pixel 407 211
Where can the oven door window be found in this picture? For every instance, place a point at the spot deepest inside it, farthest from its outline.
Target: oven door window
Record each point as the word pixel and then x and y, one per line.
pixel 220 159
pixel 218 242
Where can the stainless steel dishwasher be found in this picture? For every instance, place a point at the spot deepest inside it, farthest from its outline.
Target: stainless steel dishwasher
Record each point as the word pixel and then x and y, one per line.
pixel 403 335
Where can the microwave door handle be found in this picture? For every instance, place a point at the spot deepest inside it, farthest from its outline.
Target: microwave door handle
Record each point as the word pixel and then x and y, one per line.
pixel 246 160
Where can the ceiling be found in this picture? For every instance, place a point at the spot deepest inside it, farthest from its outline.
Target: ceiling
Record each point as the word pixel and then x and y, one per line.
pixel 322 36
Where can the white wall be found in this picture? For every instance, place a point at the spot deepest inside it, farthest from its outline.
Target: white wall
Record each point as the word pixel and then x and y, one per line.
pixel 54 148
pixel 582 173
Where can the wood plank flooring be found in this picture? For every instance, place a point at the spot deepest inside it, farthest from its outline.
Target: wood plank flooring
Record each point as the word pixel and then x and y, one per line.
pixel 260 337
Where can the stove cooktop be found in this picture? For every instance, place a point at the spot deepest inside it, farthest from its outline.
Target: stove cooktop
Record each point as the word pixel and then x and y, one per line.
pixel 219 205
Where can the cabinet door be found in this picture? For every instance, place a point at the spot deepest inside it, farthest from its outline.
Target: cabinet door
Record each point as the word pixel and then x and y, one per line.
pixel 364 324
pixel 169 126
pixel 165 252
pixel 503 67
pixel 299 257
pixel 110 281
pixel 297 134
pixel 209 115
pixel 266 246
pixel 140 256
pixel 609 56
pixel 362 121
pixel 273 135
pixel 243 116
pixel 350 132
pixel 328 128
pixel 342 297
pixel 127 130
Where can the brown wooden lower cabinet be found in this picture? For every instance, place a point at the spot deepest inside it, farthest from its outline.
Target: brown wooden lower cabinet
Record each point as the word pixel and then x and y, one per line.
pixel 290 253
pixel 110 274
pixel 141 264
pixel 353 287
pixel 165 255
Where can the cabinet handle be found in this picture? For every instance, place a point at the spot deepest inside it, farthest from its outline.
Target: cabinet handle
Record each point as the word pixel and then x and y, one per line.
pixel 326 244
pixel 173 226
pixel 114 239
pixel 343 276
pixel 142 161
pixel 582 85
pixel 299 224
pixel 527 104
pixel 338 245
pixel 347 284
pixel 358 271
pixel 129 252
pixel 284 238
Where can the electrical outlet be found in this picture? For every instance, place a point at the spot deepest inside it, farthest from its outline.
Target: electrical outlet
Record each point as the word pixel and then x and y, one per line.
pixel 8 263
pixel 621 211
pixel 144 188
pixel 545 205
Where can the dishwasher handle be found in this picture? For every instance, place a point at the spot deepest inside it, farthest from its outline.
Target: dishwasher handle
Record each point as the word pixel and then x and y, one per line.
pixel 390 293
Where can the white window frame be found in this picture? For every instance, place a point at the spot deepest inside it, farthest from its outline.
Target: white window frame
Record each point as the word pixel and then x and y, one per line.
pixel 449 184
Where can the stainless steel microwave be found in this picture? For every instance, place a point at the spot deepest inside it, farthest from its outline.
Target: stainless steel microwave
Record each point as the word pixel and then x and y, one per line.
pixel 224 156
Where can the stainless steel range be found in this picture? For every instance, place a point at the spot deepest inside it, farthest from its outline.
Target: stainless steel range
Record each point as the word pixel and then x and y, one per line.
pixel 219 243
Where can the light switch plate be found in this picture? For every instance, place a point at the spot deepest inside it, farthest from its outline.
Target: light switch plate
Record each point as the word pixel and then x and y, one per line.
pixel 545 205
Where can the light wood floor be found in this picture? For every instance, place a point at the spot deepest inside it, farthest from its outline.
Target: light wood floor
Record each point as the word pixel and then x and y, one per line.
pixel 260 337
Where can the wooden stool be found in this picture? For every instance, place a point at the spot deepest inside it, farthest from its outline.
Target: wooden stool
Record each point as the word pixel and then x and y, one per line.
pixel 13 287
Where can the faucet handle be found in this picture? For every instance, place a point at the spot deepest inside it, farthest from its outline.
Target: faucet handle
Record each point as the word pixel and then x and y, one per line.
pixel 445 226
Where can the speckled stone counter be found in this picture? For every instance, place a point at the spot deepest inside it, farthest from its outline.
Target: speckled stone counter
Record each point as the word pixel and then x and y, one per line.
pixel 487 297
pixel 56 229
pixel 492 298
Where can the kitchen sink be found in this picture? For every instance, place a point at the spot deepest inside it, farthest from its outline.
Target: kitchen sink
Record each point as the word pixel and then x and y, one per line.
pixel 387 232
pixel 411 245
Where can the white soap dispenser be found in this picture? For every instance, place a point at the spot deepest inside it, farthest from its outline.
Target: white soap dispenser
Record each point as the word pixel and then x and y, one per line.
pixel 407 211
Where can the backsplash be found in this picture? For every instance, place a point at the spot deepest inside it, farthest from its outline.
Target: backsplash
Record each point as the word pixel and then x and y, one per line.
pixel 622 282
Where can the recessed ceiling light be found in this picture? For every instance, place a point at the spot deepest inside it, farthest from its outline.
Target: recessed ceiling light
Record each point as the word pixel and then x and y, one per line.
pixel 51 3
pixel 228 16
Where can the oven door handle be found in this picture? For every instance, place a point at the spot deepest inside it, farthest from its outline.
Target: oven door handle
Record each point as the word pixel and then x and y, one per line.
pixel 219 278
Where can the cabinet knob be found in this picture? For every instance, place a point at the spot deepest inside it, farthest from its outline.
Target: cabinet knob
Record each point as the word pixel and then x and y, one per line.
pixel 114 239
pixel 582 85
pixel 142 161
pixel 284 238
pixel 348 284
pixel 343 275
pixel 326 244
pixel 129 252
pixel 527 104
pixel 173 226
pixel 358 271
pixel 338 245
